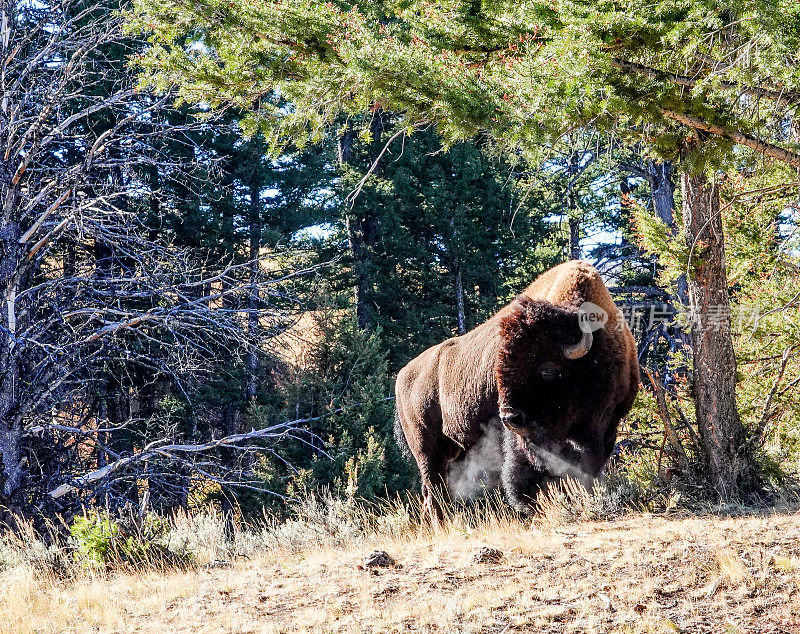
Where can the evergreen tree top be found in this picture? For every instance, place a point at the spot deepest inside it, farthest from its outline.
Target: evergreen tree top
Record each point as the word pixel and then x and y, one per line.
pixel 526 72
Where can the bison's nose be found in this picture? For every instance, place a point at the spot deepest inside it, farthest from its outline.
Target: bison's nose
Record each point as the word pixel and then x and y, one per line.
pixel 514 419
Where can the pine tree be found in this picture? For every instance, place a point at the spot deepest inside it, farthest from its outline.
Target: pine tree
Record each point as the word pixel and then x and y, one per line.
pixel 445 237
pixel 687 80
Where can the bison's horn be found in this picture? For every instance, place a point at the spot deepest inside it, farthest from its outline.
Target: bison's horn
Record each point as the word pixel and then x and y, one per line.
pixel 581 348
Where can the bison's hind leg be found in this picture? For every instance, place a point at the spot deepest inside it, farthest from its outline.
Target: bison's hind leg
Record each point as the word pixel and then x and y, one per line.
pixel 433 468
pixel 434 497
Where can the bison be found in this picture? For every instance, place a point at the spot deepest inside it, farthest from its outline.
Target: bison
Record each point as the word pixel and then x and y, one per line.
pixel 554 372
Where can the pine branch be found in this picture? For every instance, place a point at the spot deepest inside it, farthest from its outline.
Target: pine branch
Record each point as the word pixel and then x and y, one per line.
pixel 768 149
pixel 781 97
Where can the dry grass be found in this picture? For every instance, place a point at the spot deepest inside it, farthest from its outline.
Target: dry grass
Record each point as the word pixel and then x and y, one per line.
pixel 636 573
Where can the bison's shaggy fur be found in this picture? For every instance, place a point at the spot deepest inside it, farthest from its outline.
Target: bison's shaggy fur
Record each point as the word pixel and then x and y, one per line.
pixel 559 415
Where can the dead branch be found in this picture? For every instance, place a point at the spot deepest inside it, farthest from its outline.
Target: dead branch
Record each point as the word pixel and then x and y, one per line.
pixel 669 430
pixel 170 450
pixel 768 412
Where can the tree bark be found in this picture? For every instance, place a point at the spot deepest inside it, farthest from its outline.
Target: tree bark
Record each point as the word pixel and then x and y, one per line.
pixel 573 220
pixel 253 299
pixel 662 190
pixel 363 229
pixel 574 239
pixel 355 240
pixel 11 442
pixel 459 289
pixel 230 419
pixel 731 468
pixel 455 269
pixel 12 472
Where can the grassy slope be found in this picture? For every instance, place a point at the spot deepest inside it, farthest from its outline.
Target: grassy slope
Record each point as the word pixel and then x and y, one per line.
pixel 639 573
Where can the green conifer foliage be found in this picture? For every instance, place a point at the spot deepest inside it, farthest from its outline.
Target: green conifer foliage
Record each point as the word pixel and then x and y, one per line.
pixel 704 84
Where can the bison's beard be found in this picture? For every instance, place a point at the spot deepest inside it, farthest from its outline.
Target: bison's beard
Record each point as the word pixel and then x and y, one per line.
pixel 559 459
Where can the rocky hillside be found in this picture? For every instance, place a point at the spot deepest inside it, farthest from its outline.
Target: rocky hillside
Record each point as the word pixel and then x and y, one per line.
pixel 638 573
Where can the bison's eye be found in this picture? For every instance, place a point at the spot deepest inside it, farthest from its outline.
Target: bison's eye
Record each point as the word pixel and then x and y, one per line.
pixel 549 371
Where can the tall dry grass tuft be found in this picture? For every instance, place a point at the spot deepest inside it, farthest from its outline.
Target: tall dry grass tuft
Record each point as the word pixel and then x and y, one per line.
pixel 730 567
pixel 321 520
pixel 568 500
pixel 44 553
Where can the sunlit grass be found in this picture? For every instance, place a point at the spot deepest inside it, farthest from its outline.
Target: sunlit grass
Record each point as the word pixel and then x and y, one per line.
pixel 585 562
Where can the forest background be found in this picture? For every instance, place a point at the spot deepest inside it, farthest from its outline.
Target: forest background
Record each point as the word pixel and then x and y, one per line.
pixel 226 226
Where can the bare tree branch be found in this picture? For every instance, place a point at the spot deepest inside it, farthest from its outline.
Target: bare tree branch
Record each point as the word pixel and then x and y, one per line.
pixel 168 451
pixel 762 147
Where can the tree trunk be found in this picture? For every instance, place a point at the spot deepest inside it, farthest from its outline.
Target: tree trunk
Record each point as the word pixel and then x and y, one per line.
pixel 12 471
pixel 574 223
pixel 363 228
pixel 355 240
pixel 229 416
pixel 662 189
pixel 462 328
pixel 455 269
pixel 253 299
pixel 574 239
pixel 11 450
pixel 731 468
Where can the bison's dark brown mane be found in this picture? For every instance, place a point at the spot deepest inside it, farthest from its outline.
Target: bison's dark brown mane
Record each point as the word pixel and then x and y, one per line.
pixel 533 338
pixel 532 319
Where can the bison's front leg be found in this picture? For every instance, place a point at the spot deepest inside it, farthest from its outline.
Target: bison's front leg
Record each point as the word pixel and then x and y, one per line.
pixel 522 478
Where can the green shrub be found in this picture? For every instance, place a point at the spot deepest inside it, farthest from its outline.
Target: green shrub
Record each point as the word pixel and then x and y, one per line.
pixel 102 541
pixel 343 384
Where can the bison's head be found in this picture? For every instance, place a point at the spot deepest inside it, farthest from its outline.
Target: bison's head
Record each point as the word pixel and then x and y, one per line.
pixel 547 371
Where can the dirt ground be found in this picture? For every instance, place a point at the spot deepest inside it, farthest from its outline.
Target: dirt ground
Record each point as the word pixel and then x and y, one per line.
pixel 639 573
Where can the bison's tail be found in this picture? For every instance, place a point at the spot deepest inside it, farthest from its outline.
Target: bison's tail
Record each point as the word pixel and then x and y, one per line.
pixel 400 437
